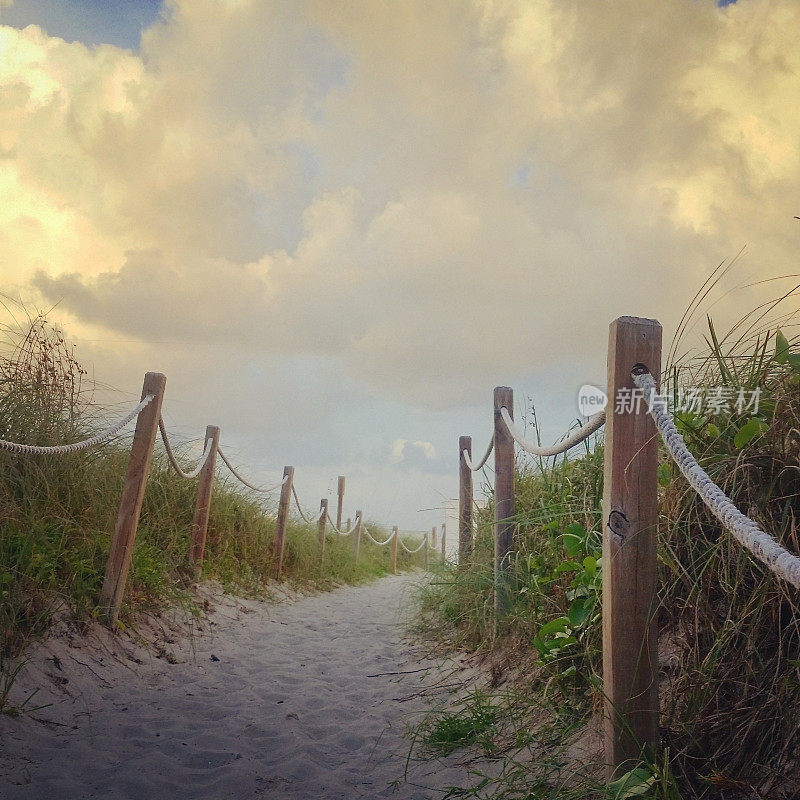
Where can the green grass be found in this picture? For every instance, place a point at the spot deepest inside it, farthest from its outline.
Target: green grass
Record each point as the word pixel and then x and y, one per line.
pixel 57 513
pixel 729 630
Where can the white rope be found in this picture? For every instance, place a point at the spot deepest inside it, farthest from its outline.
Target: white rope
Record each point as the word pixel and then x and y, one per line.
pixel 369 536
pixel 343 533
pixel 411 552
pixel 193 473
pixel 479 465
pixel 263 489
pixel 744 530
pixel 56 450
pixel 297 503
pixel 576 437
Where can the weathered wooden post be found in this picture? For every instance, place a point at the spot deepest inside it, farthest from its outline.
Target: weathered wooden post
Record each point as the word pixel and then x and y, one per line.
pixel 203 505
pixel 349 522
pixel 340 503
pixel 130 506
pixel 426 549
pixel 357 535
pixel 283 514
pixel 321 522
pixel 630 515
pixel 433 534
pixel 464 500
pixel 395 536
pixel 444 539
pixel 503 497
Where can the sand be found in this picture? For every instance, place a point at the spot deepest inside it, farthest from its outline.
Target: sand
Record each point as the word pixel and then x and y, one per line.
pixel 307 698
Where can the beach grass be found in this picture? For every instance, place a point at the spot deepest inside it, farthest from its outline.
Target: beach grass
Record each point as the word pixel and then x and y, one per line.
pixel 729 630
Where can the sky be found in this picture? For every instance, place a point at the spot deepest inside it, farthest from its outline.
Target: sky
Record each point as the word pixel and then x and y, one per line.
pixel 336 226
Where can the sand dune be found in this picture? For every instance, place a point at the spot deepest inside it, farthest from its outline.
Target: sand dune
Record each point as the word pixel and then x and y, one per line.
pixel 294 700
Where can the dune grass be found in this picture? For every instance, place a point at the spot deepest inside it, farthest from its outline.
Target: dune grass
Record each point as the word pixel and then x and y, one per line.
pixel 57 513
pixel 729 631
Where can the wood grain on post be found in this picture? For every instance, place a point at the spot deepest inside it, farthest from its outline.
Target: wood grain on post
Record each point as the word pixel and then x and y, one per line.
pixel 203 505
pixel 340 503
pixel 357 535
pixel 395 536
pixel 464 501
pixel 630 518
pixel 503 497
pixel 323 519
pixel 283 514
pixel 119 556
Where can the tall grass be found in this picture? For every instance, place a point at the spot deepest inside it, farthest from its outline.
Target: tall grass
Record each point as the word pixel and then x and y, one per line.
pixel 57 513
pixel 729 631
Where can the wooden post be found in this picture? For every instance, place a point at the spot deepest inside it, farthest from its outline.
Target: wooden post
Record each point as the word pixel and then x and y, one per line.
pixel 340 503
pixel 425 548
pixel 130 506
pixel 444 538
pixel 395 536
pixel 349 521
pixel 464 501
pixel 433 533
pixel 630 514
pixel 503 497
pixel 323 519
pixel 357 535
pixel 203 505
pixel 283 513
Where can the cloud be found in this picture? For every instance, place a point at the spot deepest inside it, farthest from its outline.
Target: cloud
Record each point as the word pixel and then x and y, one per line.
pixel 400 452
pixel 430 198
pixel 427 448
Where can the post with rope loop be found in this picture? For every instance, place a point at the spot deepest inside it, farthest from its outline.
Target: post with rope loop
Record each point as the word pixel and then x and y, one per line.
pixel 130 506
pixel 395 536
pixel 283 514
pixel 340 503
pixel 503 497
pixel 444 538
pixel 464 500
pixel 630 518
pixel 323 518
pixel 357 535
pixel 203 505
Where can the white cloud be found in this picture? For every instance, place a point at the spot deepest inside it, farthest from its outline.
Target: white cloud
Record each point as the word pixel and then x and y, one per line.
pixel 398 449
pixel 427 448
pixel 431 197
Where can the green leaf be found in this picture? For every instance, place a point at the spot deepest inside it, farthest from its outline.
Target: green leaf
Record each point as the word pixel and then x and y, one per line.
pixel 664 474
pixel 712 430
pixel 580 611
pixel 590 565
pixel 557 625
pixel 781 348
pixel 635 783
pixel 572 544
pixel 752 428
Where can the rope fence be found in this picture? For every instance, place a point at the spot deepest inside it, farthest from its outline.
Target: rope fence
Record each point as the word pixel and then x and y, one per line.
pixel 149 423
pixel 783 563
pixel 630 522
pixel 93 441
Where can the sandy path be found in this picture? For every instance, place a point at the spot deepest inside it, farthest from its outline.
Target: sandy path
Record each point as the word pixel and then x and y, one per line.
pixel 288 710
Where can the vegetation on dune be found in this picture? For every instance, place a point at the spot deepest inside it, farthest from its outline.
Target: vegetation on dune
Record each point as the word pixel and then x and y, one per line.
pixel 57 513
pixel 729 631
